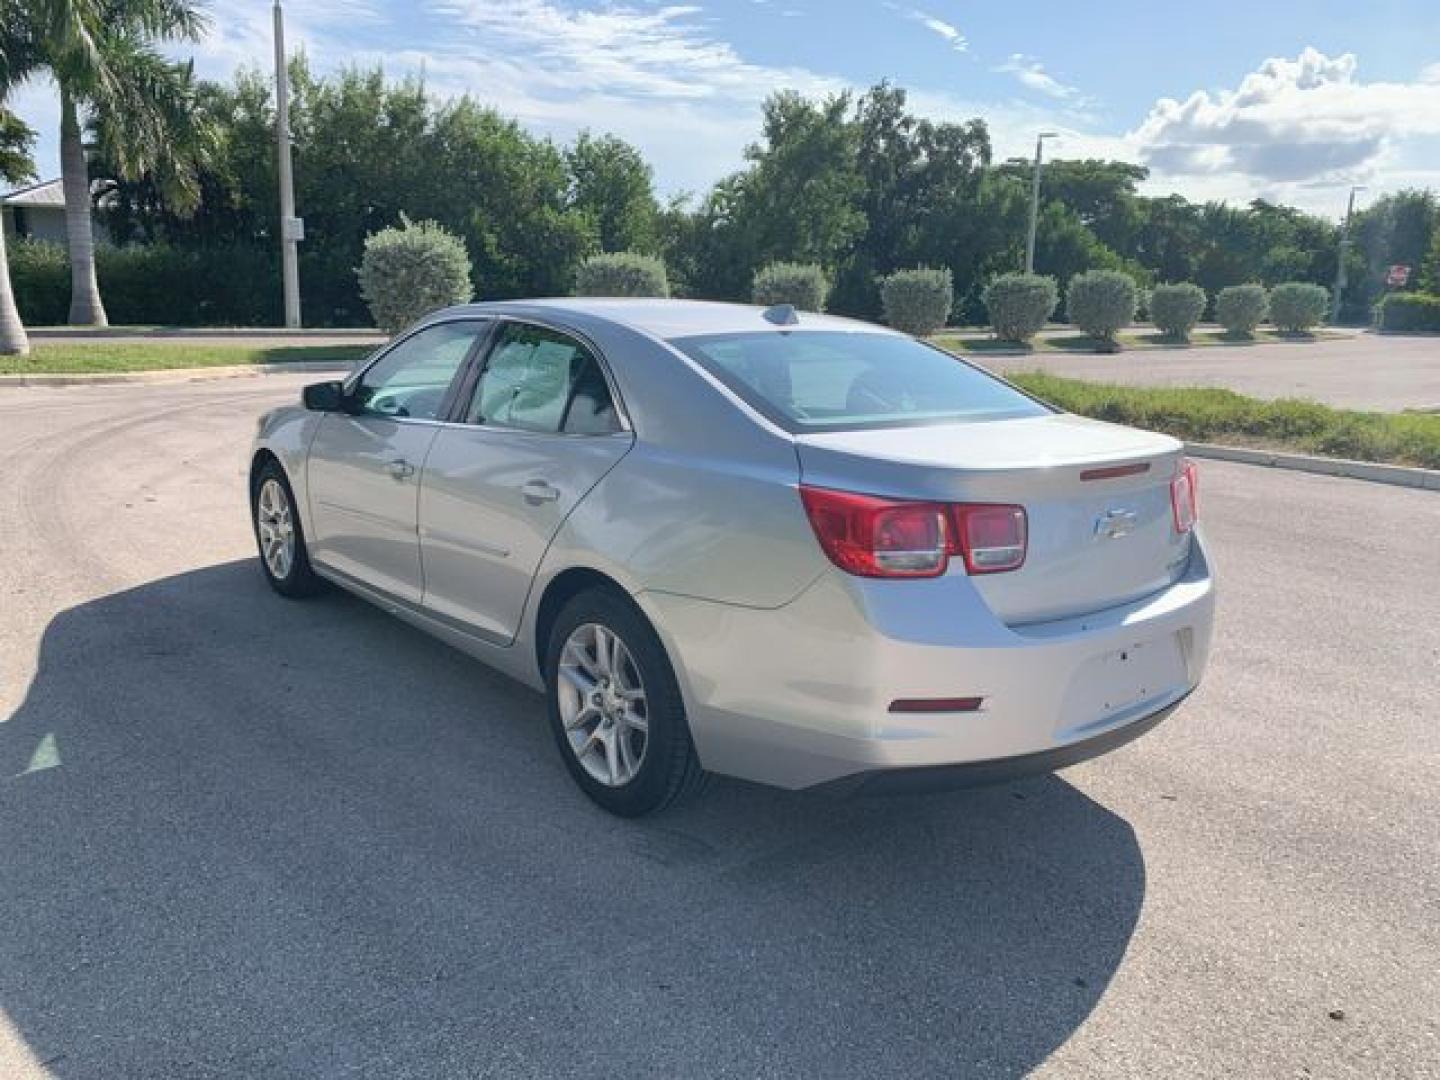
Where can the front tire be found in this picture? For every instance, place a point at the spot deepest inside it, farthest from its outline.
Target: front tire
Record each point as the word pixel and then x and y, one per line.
pixel 280 535
pixel 615 707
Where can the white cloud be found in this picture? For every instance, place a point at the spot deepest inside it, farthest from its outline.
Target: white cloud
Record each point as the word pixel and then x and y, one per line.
pixel 1290 123
pixel 1032 73
pixel 948 31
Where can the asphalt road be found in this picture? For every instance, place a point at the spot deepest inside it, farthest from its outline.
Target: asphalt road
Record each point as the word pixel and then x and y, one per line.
pixel 1387 373
pixel 246 837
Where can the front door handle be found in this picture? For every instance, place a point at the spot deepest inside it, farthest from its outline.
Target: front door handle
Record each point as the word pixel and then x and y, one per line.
pixel 401 469
pixel 539 491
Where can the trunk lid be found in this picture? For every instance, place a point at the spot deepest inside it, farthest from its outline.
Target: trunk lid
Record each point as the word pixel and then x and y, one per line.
pixel 1094 542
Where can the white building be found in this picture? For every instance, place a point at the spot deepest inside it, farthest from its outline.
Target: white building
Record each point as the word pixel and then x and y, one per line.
pixel 36 211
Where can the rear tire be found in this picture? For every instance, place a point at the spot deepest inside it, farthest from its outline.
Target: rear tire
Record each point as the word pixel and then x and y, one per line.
pixel 280 535
pixel 615 707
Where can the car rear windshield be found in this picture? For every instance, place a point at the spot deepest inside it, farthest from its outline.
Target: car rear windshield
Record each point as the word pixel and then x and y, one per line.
pixel 835 380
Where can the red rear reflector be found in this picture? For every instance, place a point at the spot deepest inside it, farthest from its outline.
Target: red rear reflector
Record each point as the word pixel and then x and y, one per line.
pixel 1184 501
pixel 929 705
pixel 1110 472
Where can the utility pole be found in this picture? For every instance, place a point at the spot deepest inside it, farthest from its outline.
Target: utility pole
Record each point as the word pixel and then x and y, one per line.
pixel 292 229
pixel 1340 257
pixel 1035 202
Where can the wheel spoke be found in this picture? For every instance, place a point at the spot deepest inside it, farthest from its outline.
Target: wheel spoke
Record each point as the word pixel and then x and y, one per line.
pixel 603 661
pixel 586 714
pixel 627 753
pixel 578 679
pixel 612 757
pixel 635 722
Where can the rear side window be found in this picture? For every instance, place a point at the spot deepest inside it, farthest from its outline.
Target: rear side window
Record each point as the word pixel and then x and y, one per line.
pixel 537 379
pixel 827 380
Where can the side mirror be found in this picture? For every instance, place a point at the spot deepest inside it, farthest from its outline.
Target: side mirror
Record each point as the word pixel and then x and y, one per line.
pixel 324 396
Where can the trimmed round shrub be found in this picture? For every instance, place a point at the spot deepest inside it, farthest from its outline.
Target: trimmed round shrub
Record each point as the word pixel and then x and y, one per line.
pixel 622 273
pixel 917 301
pixel 1241 308
pixel 1175 309
pixel 1020 304
pixel 1102 303
pixel 408 272
pixel 1298 305
pixel 800 284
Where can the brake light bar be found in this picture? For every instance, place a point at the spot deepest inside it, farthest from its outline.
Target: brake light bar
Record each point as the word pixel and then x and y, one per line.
pixel 870 536
pixel 1110 472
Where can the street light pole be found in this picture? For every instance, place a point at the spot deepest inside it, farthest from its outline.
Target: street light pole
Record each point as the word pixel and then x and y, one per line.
pixel 1340 257
pixel 291 228
pixel 1035 202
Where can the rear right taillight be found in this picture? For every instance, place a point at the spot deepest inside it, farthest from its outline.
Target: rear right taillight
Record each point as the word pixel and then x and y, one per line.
pixel 993 539
pixel 1183 500
pixel 876 537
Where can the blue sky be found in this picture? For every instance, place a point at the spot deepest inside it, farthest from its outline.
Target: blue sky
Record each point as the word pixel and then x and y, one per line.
pixel 1286 100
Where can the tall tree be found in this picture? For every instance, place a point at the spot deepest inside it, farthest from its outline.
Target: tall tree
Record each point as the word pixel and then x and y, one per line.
pixel 612 185
pixel 16 165
pixel 102 55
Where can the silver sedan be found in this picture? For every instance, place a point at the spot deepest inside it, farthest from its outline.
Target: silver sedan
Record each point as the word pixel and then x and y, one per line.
pixel 786 547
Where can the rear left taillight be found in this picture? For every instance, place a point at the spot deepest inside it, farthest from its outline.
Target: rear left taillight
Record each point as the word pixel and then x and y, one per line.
pixel 1183 500
pixel 891 538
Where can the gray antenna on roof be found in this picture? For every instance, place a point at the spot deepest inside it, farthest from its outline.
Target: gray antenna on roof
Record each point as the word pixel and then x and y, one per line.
pixel 782 315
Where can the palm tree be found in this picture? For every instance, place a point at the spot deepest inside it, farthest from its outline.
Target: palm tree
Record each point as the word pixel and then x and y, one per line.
pixel 15 163
pixel 16 166
pixel 102 56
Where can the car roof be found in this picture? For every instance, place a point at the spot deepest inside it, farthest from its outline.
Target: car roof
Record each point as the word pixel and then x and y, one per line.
pixel 669 319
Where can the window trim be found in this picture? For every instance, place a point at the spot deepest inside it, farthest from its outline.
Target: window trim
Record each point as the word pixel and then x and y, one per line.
pixel 480 363
pixel 481 344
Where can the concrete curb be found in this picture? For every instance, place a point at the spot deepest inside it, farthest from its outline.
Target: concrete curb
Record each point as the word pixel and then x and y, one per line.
pixel 167 375
pixel 1398 475
pixel 217 333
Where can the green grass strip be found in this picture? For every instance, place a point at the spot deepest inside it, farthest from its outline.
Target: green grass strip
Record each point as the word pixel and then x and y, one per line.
pixel 95 357
pixel 1222 416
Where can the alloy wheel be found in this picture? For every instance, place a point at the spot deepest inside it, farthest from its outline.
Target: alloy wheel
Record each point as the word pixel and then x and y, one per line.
pixel 602 704
pixel 275 522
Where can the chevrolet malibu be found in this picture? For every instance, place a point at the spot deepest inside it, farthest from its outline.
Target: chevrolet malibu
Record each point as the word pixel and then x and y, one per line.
pixel 787 547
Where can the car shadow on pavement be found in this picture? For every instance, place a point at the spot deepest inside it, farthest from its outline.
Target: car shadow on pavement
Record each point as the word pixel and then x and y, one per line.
pixel 246 836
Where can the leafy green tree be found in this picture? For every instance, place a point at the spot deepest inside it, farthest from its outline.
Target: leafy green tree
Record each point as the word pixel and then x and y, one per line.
pixel 1101 194
pixel 16 142
pixel 611 184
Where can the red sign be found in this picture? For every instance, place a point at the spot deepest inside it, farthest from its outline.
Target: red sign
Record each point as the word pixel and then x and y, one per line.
pixel 1398 276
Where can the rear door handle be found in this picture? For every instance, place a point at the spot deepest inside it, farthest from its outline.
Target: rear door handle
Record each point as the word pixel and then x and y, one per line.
pixel 401 469
pixel 539 491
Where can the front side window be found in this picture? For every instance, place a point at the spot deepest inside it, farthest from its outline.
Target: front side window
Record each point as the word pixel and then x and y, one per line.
pixel 828 380
pixel 538 379
pixel 411 380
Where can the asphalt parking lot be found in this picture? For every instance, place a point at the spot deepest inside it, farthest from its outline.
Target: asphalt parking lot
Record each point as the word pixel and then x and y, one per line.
pixel 246 837
pixel 1384 373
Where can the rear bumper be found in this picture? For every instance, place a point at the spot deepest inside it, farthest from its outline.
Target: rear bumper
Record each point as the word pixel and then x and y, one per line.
pixel 922 778
pixel 799 696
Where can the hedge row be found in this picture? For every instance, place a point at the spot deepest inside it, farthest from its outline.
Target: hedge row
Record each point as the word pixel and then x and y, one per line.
pixel 153 285
pixel 1408 311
